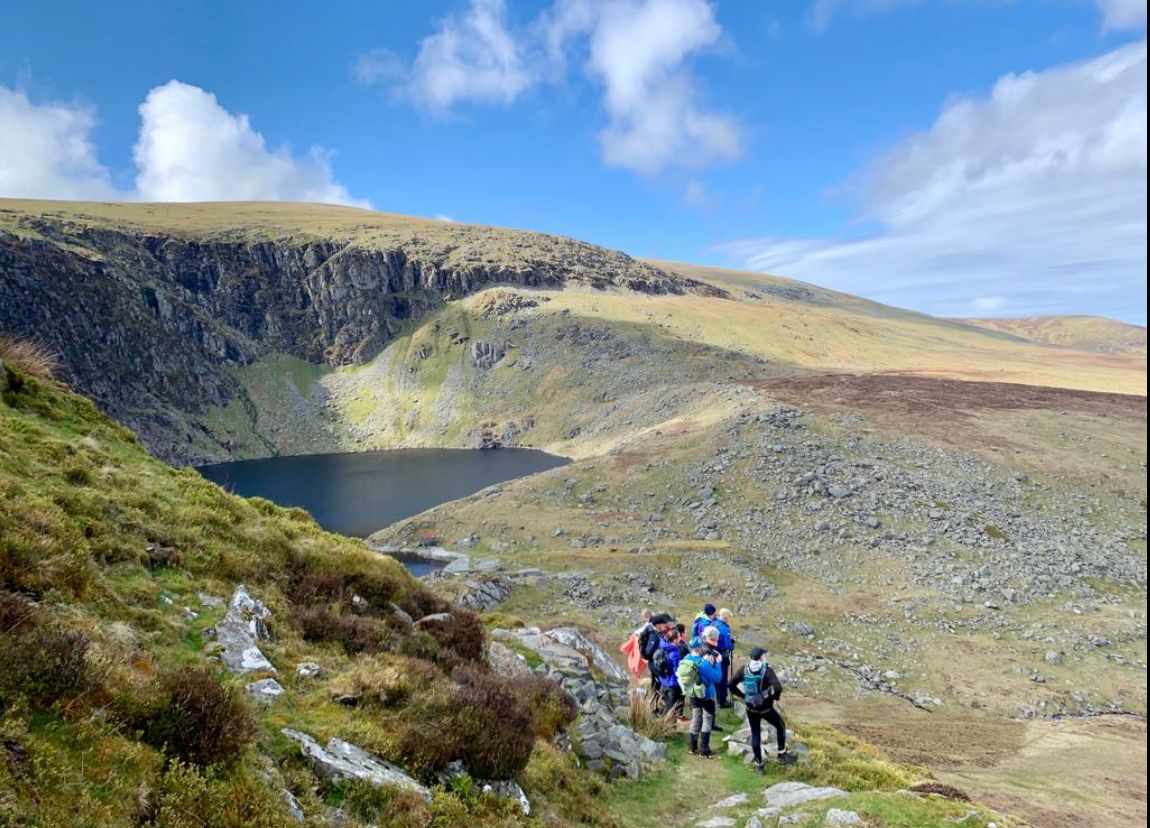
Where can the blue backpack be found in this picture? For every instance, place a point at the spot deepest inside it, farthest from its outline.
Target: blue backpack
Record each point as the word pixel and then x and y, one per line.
pixel 753 688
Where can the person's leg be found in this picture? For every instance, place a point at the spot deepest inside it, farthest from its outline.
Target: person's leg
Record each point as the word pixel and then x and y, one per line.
pixel 696 723
pixel 708 724
pixel 755 721
pixel 678 700
pixel 775 720
pixel 723 692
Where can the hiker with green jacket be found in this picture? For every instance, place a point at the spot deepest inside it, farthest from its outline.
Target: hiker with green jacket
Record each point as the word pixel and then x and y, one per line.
pixel 699 674
pixel 759 687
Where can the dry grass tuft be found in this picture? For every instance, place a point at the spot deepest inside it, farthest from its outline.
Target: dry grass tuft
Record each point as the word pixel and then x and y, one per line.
pixel 643 718
pixel 29 356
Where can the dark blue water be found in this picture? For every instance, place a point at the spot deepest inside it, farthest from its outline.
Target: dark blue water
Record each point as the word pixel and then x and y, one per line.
pixel 357 494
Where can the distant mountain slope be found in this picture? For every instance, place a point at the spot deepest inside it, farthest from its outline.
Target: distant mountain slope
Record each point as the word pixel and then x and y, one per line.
pixel 1095 334
pixel 250 329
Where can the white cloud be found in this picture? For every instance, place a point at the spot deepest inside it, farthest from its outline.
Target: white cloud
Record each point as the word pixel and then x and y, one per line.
pixel 638 51
pixel 472 57
pixel 189 149
pixel 1123 14
pixel 1035 194
pixel 46 151
pixel 192 149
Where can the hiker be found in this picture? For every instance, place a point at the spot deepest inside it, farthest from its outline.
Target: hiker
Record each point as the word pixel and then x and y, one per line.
pixel 702 621
pixel 698 675
pixel 665 666
pixel 722 622
pixel 759 687
pixel 650 640
pixel 636 663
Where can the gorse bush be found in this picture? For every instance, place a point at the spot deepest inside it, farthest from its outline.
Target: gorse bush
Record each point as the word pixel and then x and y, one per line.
pixel 197 720
pixel 29 356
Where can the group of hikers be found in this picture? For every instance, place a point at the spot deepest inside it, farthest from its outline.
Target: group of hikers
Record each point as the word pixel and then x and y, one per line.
pixel 693 668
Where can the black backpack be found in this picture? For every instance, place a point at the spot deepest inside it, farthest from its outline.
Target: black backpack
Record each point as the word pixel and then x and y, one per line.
pixel 660 664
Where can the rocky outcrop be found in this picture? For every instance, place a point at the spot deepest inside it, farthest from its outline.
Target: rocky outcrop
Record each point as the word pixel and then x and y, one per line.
pixel 237 636
pixel 587 672
pixel 147 323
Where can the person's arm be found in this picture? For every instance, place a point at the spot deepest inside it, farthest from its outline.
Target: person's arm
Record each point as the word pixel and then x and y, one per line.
pixel 772 680
pixel 735 685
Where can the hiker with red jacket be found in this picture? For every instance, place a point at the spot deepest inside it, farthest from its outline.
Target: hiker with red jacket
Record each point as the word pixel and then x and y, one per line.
pixel 757 684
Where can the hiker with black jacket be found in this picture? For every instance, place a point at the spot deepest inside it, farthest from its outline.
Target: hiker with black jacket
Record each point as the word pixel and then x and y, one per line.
pixel 650 642
pixel 759 687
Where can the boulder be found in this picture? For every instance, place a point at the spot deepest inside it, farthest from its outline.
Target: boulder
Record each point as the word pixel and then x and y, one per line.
pixel 340 760
pixel 506 662
pixel 509 789
pixel 485 354
pixel 484 594
pixel 238 634
pixel 435 618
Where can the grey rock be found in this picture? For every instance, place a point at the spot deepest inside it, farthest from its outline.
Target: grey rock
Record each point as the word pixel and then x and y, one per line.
pixel 307 669
pixel 789 794
pixel 837 816
pixel 340 760
pixel 238 634
pixel 265 691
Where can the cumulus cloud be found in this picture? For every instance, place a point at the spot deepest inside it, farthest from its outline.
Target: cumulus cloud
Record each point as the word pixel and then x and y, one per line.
pixel 639 52
pixel 1123 14
pixel 46 151
pixel 1034 196
pixel 192 149
pixel 189 149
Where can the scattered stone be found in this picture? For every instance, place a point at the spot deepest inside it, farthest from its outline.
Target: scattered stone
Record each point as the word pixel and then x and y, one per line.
pixel 509 789
pixel 732 801
pixel 484 594
pixel 717 822
pixel 435 618
pixel 307 669
pixel 786 795
pixel 265 691
pixel 837 816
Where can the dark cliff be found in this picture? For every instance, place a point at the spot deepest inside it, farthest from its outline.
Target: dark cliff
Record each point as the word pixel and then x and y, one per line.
pixel 148 323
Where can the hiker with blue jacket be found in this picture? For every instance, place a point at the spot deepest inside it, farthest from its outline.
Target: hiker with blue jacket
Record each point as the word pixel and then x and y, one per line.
pixel 666 667
pixel 757 684
pixel 703 620
pixel 699 674
pixel 722 623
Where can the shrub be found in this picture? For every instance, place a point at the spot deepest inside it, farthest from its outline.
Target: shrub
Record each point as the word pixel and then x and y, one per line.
pixel 17 614
pixel 357 633
pixel 462 637
pixel 197 720
pixel 43 664
pixel 482 721
pixel 29 356
pixel 552 707
pixel 189 797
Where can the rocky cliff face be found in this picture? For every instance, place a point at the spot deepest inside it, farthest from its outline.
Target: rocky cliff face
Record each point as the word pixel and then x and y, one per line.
pixel 148 324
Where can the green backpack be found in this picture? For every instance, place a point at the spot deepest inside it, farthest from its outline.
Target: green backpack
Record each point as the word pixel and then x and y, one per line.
pixel 688 676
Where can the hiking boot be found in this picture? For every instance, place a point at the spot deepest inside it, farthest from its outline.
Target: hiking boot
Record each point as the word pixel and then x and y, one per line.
pixel 760 769
pixel 707 754
pixel 694 749
pixel 787 758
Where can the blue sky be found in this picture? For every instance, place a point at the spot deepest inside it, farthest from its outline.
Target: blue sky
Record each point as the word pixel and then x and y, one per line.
pixel 961 157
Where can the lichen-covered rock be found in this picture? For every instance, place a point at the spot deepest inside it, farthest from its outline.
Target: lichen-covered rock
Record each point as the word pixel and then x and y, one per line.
pixel 238 634
pixel 340 760
pixel 786 795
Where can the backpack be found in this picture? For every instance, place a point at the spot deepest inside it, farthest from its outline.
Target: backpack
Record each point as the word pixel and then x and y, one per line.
pixel 688 677
pixel 660 664
pixel 753 689
pixel 649 643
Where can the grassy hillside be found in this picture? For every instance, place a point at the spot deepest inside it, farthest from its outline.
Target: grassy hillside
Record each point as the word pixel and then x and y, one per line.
pixel 114 710
pixel 1083 333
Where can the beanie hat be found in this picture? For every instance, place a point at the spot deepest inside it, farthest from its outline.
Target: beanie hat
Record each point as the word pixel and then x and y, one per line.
pixel 696 644
pixel 709 610
pixel 758 654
